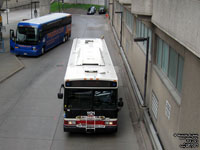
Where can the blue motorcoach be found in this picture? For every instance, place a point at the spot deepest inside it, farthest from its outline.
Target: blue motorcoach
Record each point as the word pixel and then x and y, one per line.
pixel 35 36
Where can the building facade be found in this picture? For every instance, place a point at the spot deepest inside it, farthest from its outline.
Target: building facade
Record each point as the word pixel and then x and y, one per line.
pixel 173 84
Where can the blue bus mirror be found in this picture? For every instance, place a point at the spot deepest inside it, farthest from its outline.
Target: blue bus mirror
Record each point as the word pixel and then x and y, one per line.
pixel 12 34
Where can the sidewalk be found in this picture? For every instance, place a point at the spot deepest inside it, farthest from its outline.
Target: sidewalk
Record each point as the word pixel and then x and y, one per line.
pixel 9 63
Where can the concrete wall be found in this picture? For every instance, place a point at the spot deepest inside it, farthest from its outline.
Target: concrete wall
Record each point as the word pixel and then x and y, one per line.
pixel 165 91
pixel 44 7
pixel 116 21
pixel 183 118
pixel 142 7
pixel 184 112
pixel 179 18
pixel 190 103
pixel 185 105
pixel 165 127
pixel 96 2
pixel 111 10
pixel 135 56
pixel 125 1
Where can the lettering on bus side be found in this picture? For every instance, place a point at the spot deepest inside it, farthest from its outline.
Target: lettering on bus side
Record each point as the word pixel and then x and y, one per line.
pixel 55 32
pixel 52 36
pixel 51 41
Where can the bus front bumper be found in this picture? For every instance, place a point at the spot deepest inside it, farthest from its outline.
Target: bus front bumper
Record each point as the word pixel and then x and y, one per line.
pixel 106 129
pixel 24 52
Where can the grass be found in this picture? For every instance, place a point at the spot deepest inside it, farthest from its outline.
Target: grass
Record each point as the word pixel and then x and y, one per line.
pixel 55 6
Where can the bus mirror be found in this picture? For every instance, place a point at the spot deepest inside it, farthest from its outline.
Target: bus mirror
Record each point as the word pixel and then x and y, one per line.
pixel 60 95
pixel 12 35
pixel 120 103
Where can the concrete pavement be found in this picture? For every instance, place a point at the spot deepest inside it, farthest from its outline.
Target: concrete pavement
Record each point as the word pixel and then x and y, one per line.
pixel 9 63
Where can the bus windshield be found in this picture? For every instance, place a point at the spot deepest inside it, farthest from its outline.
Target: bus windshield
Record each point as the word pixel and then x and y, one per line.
pixel 27 35
pixel 87 99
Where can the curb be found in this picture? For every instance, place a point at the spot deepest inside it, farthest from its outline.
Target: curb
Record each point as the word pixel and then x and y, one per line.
pixel 14 71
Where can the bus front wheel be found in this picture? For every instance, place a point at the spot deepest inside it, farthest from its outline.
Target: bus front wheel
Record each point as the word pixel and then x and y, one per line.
pixel 42 50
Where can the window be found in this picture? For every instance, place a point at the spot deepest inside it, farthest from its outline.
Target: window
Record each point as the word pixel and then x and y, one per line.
pixel 159 52
pixel 170 62
pixel 129 20
pixel 150 39
pixel 173 62
pixel 143 31
pixel 145 35
pixel 127 45
pixel 90 98
pixel 180 73
pixel 165 57
pixel 137 27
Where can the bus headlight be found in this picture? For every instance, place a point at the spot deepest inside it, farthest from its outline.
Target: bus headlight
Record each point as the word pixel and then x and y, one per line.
pixel 111 123
pixel 108 123
pixel 69 122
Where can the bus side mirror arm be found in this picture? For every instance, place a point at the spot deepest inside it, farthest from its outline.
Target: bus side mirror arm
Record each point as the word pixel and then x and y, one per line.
pixel 60 95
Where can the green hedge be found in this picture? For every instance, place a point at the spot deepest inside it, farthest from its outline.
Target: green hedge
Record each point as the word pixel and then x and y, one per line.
pixel 55 6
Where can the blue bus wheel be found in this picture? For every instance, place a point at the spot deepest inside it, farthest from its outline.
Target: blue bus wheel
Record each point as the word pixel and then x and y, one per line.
pixel 64 39
pixel 67 37
pixel 42 50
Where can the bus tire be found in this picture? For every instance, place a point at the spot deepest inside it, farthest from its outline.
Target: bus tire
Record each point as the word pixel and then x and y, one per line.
pixel 67 37
pixel 43 50
pixel 64 39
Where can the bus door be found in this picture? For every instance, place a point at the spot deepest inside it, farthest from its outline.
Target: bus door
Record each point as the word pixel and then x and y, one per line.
pixel 12 40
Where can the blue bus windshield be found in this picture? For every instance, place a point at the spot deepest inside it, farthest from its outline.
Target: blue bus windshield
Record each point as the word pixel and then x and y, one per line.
pixel 27 35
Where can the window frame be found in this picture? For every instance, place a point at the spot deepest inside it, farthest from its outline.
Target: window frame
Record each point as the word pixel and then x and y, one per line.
pixel 177 57
pixel 142 30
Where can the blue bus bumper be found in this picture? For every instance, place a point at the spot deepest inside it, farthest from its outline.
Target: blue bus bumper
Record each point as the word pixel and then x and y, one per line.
pixel 26 52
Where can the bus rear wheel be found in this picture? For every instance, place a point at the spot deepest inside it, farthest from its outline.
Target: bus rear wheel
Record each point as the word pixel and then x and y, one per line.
pixel 64 39
pixel 67 38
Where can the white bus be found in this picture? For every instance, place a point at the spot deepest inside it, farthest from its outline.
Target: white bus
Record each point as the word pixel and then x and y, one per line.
pixel 90 88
